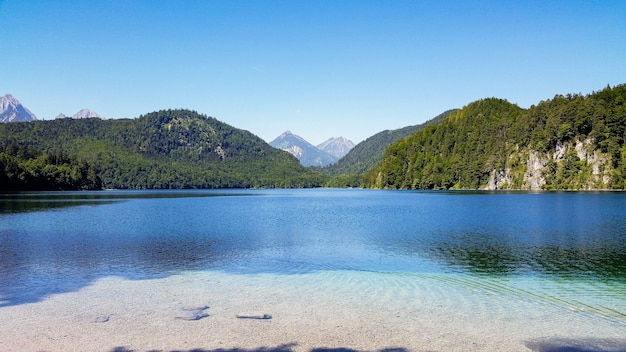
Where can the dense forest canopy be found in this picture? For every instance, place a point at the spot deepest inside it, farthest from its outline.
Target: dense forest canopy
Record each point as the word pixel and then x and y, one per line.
pixel 568 142
pixel 27 169
pixel 164 149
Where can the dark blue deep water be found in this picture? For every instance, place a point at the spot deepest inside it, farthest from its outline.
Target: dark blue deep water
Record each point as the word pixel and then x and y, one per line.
pixel 60 242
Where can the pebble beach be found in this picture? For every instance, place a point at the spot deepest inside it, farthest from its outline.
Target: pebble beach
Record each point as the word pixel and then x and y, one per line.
pixel 213 311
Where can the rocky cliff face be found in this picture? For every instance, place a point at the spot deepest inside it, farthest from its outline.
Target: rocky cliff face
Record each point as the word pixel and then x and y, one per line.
pixel 532 170
pixel 11 110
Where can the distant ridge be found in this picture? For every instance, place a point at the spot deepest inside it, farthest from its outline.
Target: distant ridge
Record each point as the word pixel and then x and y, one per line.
pixel 307 153
pixel 11 110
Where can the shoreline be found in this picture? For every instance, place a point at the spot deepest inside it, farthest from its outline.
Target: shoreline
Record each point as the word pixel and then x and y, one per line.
pixel 309 312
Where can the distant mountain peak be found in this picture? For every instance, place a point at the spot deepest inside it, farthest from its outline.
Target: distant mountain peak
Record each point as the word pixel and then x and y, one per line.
pixel 307 153
pixel 81 114
pixel 85 114
pixel 9 99
pixel 337 147
pixel 290 135
pixel 11 110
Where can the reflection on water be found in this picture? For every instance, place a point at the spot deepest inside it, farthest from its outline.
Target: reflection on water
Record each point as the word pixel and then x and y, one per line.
pixel 20 205
pixel 53 242
pixel 477 254
pixel 18 202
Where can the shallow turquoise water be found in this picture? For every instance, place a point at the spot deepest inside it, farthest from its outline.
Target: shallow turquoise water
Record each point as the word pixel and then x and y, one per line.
pixel 564 250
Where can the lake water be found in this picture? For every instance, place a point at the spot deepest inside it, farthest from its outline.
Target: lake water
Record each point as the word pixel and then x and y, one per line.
pixel 564 252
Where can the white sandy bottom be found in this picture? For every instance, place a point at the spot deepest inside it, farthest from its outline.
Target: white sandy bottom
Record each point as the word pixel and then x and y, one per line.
pixel 350 310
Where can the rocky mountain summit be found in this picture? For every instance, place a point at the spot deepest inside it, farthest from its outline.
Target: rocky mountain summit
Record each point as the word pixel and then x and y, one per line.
pixel 85 114
pixel 82 114
pixel 338 147
pixel 11 110
pixel 307 153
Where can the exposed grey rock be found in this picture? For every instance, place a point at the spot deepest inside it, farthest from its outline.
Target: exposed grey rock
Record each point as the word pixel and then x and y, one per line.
pixel 534 177
pixel 307 153
pixel 11 110
pixel 498 179
pixel 535 169
pixel 85 114
pixel 337 147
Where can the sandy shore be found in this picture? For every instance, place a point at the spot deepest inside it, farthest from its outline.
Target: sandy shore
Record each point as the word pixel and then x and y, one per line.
pixel 309 312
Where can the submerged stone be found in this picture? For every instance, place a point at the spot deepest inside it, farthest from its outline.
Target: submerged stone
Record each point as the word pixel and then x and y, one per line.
pixel 254 316
pixel 195 313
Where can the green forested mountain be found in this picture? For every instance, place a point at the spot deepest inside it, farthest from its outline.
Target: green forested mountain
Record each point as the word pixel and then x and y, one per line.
pixel 165 149
pixel 367 154
pixel 568 142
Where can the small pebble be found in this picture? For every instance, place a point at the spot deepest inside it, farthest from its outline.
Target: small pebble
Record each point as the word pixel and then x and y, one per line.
pixel 101 319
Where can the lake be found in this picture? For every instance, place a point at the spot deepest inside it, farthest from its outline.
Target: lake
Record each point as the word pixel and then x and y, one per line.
pixel 562 252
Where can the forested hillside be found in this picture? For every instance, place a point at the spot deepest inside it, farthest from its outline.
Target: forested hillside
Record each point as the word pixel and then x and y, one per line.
pixel 165 149
pixel 348 170
pixel 568 142
pixel 27 169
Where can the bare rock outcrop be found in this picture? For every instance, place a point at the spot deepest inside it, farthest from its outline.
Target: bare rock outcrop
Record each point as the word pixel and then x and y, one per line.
pixel 537 166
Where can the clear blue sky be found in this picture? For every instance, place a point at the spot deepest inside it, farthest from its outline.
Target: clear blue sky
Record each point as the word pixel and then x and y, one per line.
pixel 319 68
